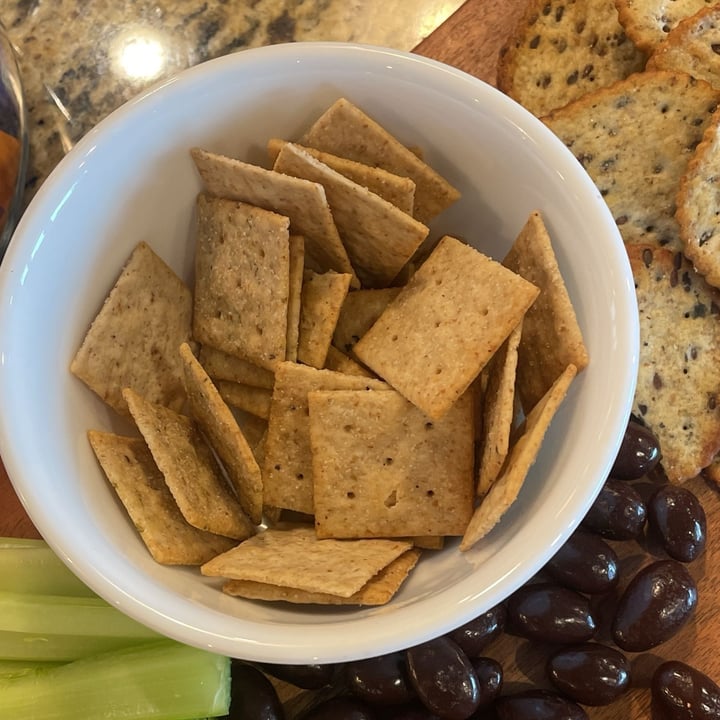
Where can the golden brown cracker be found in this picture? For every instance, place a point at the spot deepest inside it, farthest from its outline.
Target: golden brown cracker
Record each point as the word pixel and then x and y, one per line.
pixel 338 361
pixel 220 365
pixel 251 399
pixel 296 273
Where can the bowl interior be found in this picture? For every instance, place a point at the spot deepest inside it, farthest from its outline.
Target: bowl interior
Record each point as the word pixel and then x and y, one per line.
pixel 132 179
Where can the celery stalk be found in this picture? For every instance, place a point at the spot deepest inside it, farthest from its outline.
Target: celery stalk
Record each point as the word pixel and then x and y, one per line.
pixel 164 680
pixel 15 668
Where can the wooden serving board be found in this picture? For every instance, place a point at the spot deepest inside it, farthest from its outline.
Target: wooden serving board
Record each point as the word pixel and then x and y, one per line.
pixel 471 40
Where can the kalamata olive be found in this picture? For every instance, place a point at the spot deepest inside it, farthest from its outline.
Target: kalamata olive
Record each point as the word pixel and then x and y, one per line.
pixel 474 636
pixel 538 705
pixel 340 707
pixel 382 680
pixel 657 602
pixel 585 563
pixel 639 453
pixel 490 679
pixel 307 677
pixel 680 692
pixel 618 512
pixel 413 711
pixel 443 678
pixel 591 674
pixel 253 696
pixel 550 613
pixel 677 516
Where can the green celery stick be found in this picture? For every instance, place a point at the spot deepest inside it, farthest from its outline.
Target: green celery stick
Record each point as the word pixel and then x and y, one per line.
pixel 164 680
pixel 15 668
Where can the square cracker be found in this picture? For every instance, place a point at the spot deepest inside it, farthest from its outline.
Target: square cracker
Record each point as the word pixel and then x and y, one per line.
pixel 220 365
pixel 297 270
pixel 131 470
pixel 302 201
pixel 321 299
pixel 379 237
pixel 251 399
pixel 241 280
pixel 133 341
pixel 339 361
pixel 345 130
pixel 505 489
pixel 287 473
pixel 189 468
pixel 294 557
pixel 551 337
pixel 223 434
pixel 381 469
pixel 379 590
pixel 441 330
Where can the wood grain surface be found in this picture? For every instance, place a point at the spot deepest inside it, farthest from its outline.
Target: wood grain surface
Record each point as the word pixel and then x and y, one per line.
pixel 470 40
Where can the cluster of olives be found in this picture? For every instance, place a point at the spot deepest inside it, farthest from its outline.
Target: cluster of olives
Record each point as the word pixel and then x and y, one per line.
pixel 452 677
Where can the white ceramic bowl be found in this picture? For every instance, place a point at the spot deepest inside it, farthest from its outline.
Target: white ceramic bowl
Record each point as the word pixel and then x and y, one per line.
pixel 131 179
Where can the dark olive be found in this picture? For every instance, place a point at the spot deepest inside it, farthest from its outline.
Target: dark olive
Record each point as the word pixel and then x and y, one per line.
pixel 639 453
pixel 307 677
pixel 340 707
pixel 591 674
pixel 680 692
pixel 679 520
pixel 490 679
pixel 585 563
pixel 412 711
pixel 253 696
pixel 658 601
pixel 382 680
pixel 618 512
pixel 443 678
pixel 538 705
pixel 550 613
pixel 474 636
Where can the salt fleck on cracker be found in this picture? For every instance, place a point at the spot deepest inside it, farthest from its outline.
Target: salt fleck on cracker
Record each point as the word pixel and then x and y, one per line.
pixel 505 489
pixel 241 280
pixel 379 237
pixel 221 429
pixel 382 469
pixel 302 201
pixel 441 330
pixel 678 388
pixel 296 558
pixel 133 341
pixel 321 299
pixel 638 176
pixel 345 130
pixel 562 49
pixel 251 399
pixel 297 269
pixel 551 338
pixel 132 472
pixel 340 362
pixel 189 468
pixel 220 365
pixel 287 473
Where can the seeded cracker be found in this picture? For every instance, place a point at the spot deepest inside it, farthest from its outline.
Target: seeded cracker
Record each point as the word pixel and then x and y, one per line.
pixel 218 424
pixel 255 400
pixel 190 469
pixel 381 469
pixel 637 175
pixel 221 366
pixel 133 341
pixel 678 386
pixel 561 49
pixel 379 238
pixel 337 360
pixel 297 268
pixel 295 558
pixel 440 331
pixel 140 485
pixel 505 489
pixel 347 131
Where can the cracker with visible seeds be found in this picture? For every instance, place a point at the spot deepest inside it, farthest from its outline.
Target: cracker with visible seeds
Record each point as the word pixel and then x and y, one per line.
pixel 379 590
pixel 562 49
pixel 132 472
pixel 551 337
pixel 133 340
pixel 220 365
pixel 678 386
pixel 433 340
pixel 637 175
pixel 381 469
pixel 321 299
pixel 379 237
pixel 221 429
pixel 241 280
pixel 297 269
pixel 287 473
pixel 505 489
pixel 294 557
pixel 338 361
pixel 189 468
pixel 251 399
pixel 345 130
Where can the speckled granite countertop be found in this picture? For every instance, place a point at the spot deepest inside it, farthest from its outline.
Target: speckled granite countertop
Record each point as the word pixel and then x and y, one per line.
pixel 81 59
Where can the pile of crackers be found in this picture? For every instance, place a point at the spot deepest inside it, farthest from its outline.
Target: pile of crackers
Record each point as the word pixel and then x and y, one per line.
pixel 632 87
pixel 338 391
